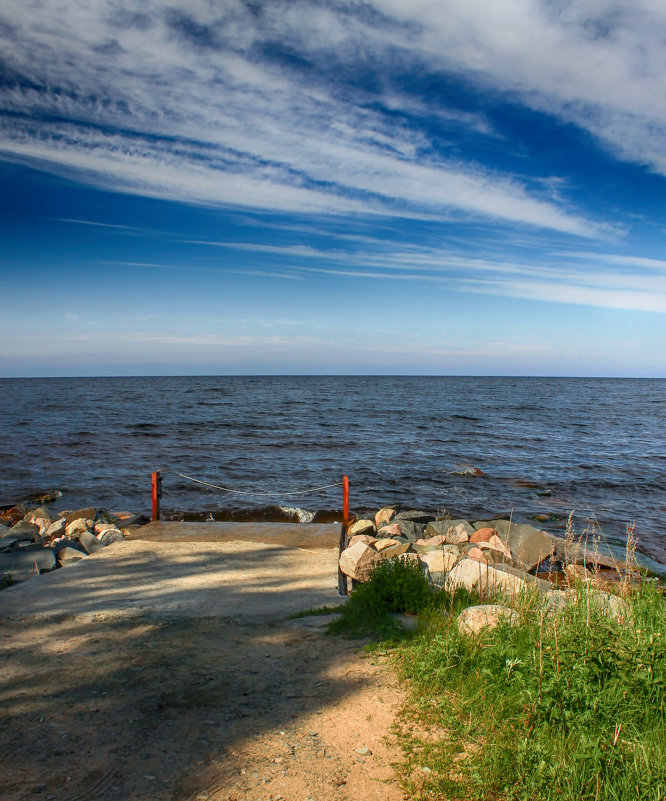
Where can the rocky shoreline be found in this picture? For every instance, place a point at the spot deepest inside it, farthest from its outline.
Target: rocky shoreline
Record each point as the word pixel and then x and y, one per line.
pixel 36 540
pixel 484 556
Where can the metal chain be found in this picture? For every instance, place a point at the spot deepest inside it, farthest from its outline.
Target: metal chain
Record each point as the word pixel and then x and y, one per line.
pixel 259 494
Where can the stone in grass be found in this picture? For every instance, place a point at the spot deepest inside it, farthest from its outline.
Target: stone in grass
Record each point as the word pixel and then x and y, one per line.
pixel 476 619
pixel 496 544
pixel 361 527
pixel 359 561
pixel 528 545
pixel 486 579
pixel 384 515
pixel 438 561
pixel 89 542
pixel 607 603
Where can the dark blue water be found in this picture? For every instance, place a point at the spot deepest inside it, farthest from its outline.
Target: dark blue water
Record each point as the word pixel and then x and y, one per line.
pixel 543 446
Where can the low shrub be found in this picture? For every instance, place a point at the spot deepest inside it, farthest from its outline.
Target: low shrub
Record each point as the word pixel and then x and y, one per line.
pixel 395 586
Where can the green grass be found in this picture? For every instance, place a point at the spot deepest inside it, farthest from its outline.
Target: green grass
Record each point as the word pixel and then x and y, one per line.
pixel 396 586
pixel 564 706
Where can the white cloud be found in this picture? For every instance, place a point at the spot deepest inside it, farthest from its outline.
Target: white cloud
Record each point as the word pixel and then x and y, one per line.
pixel 188 103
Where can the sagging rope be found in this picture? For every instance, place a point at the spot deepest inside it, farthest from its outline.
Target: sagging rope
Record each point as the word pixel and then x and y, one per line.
pixel 261 494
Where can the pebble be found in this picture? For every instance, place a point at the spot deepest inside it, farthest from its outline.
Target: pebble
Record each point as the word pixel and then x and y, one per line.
pixel 365 751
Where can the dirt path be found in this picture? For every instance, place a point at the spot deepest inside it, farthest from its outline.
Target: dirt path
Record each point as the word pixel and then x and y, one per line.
pixel 185 707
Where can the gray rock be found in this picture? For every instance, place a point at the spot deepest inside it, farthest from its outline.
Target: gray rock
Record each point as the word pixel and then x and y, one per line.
pixel 528 545
pixel 26 563
pixel 410 531
pixel 56 529
pixel 444 526
pixel 475 619
pixel 41 513
pixel 361 527
pixel 487 579
pixel 111 535
pixel 396 549
pixel 89 542
pixel 77 527
pixel 9 540
pixel 3 529
pixel 69 555
pixel 413 516
pixel 25 531
pixel 90 513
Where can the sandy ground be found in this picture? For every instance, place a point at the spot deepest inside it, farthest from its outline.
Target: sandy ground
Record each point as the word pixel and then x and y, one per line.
pixel 199 689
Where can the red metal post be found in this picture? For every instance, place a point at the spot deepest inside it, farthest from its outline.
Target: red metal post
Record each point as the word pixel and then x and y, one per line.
pixel 157 493
pixel 345 500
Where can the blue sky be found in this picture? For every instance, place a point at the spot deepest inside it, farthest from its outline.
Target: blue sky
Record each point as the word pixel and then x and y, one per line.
pixel 429 187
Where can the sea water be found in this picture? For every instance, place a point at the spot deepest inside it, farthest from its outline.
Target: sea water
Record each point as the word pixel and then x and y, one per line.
pixel 535 449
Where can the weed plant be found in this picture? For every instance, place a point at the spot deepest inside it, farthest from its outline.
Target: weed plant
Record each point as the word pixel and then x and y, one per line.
pixel 395 586
pixel 567 705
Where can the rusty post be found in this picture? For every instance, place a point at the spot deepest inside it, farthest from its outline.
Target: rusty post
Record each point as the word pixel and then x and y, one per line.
pixel 156 480
pixel 345 500
pixel 342 579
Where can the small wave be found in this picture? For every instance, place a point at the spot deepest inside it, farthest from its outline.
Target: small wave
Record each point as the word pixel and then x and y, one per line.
pixel 468 471
pixel 302 515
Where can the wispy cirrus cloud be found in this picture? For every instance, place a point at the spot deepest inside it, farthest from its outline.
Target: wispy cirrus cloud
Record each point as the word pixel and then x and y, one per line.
pixel 285 106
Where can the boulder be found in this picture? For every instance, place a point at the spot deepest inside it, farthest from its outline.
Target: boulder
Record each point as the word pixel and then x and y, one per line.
pixel 483 534
pixel 437 540
pixel 359 561
pixel 438 563
pixel 382 545
pixel 410 530
pixel 78 526
pixel 25 531
pixel 528 545
pixel 414 517
pixel 607 603
pixel 56 529
pixel 486 579
pixel 89 542
pixel 89 513
pixel 451 529
pixel 361 527
pixel 476 619
pixel 25 563
pixel 397 549
pixel 69 555
pixel 496 544
pixel 390 530
pixel 41 513
pixel 9 540
pixel 111 535
pixel 384 515
pixel 409 557
pixel 477 554
pixel 368 539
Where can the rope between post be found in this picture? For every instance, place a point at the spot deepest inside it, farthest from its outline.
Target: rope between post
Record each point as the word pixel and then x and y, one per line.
pixel 260 494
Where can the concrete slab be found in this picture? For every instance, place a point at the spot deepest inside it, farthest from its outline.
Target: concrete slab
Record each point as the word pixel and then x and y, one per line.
pixel 243 581
pixel 300 535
